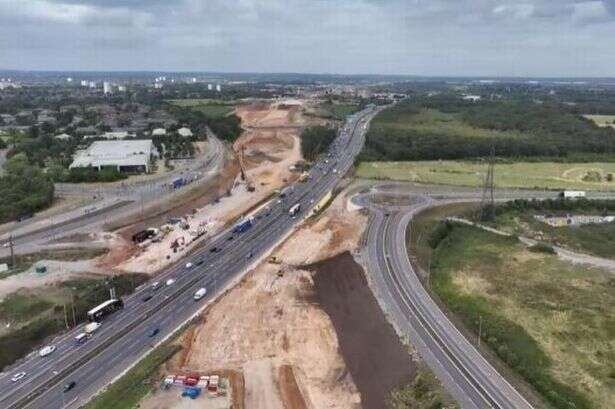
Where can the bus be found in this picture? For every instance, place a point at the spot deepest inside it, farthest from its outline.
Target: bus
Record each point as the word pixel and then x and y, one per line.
pixel 98 313
pixel 294 210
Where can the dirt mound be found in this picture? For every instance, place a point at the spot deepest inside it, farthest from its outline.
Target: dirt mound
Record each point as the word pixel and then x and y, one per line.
pixel 374 355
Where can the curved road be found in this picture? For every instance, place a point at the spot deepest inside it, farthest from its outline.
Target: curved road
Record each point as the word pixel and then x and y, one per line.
pixel 472 380
pixel 122 339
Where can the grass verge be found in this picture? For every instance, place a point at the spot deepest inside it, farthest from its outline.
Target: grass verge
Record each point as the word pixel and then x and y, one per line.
pixel 425 392
pixel 127 391
pixel 35 315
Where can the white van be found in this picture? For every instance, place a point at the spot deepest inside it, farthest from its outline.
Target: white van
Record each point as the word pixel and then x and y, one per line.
pixel 200 293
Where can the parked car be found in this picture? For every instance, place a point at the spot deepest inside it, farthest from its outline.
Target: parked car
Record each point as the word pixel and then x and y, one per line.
pixel 18 376
pixel 146 297
pixel 170 281
pixel 153 332
pixel 47 350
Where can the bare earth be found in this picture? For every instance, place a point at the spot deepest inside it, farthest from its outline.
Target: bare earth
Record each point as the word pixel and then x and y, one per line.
pixel 269 328
pixel 269 151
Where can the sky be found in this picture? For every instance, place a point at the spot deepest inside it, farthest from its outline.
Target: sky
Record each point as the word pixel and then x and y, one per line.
pixel 540 38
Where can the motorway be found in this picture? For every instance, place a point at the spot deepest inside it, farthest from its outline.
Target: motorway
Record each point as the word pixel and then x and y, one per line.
pixel 116 202
pixel 122 339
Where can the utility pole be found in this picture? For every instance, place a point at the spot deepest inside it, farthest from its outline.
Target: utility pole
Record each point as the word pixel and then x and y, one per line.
pixel 480 328
pixel 11 246
pixel 487 205
pixel 72 306
pixel 66 317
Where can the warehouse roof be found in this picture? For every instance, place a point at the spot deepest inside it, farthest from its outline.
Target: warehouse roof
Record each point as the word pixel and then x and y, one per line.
pixel 116 153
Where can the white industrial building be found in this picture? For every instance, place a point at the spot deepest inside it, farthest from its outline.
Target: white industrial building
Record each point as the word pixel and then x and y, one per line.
pixel 185 132
pixel 63 137
pixel 159 132
pixel 126 156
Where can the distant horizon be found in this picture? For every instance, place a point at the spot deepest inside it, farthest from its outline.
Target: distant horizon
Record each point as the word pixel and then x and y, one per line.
pixel 324 74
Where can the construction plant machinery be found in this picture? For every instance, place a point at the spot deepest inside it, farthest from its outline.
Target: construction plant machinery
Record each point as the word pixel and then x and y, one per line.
pixel 244 176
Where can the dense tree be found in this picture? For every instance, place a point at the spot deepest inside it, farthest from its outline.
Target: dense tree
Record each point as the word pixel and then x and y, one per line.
pixel 315 140
pixel 24 188
pixel 542 131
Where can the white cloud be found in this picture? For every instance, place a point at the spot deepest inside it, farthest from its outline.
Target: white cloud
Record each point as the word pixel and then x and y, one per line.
pixel 457 37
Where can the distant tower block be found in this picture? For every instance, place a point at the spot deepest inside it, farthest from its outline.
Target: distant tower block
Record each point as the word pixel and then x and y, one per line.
pixel 210 87
pixel 107 87
pixel 218 88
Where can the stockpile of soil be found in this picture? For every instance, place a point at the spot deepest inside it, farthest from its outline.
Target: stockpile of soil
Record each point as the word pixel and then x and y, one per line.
pixel 372 351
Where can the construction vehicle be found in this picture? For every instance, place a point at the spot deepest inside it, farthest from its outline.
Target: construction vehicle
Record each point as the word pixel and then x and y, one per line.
pixel 274 260
pixel 244 176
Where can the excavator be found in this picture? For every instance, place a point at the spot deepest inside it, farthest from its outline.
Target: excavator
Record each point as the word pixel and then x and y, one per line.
pixel 244 176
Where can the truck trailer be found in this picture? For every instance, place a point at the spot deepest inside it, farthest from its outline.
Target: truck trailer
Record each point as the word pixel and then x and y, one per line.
pixel 244 225
pixel 572 194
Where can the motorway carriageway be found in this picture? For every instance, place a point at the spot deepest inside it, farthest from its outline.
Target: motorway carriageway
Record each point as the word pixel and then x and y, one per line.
pixel 122 339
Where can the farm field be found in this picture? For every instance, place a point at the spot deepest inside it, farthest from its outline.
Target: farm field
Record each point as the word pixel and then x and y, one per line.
pixel 542 175
pixel 602 120
pixel 552 322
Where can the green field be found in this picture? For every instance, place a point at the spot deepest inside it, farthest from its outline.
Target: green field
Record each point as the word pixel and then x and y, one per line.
pixel 543 175
pixel 431 121
pixel 552 322
pixel 337 111
pixel 210 107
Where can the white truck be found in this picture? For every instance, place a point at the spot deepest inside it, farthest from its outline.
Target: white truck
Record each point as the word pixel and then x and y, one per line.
pixel 572 194
pixel 91 327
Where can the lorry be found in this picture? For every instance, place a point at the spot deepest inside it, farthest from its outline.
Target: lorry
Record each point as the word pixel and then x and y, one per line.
pixel 244 225
pixel 572 194
pixel 82 338
pixel 294 210
pixel 91 327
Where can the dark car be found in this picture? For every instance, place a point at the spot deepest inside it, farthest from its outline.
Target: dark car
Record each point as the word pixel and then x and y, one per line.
pixel 146 297
pixel 199 262
pixel 24 216
pixel 69 386
pixel 230 238
pixel 153 332
pixel 214 249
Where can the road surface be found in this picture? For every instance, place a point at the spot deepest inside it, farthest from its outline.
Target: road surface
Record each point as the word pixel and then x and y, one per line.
pixel 122 339
pixel 470 379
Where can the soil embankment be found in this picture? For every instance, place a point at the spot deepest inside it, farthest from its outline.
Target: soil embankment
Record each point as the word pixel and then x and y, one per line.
pixel 377 360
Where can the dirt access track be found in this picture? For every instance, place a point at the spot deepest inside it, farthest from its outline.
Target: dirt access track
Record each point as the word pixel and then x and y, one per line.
pixel 294 331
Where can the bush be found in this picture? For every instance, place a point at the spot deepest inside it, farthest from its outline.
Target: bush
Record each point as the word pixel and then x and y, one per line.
pixel 91 175
pixel 24 189
pixel 542 248
pixel 439 233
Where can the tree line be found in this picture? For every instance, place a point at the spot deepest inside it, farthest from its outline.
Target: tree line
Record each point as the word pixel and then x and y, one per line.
pixel 544 130
pixel 315 140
